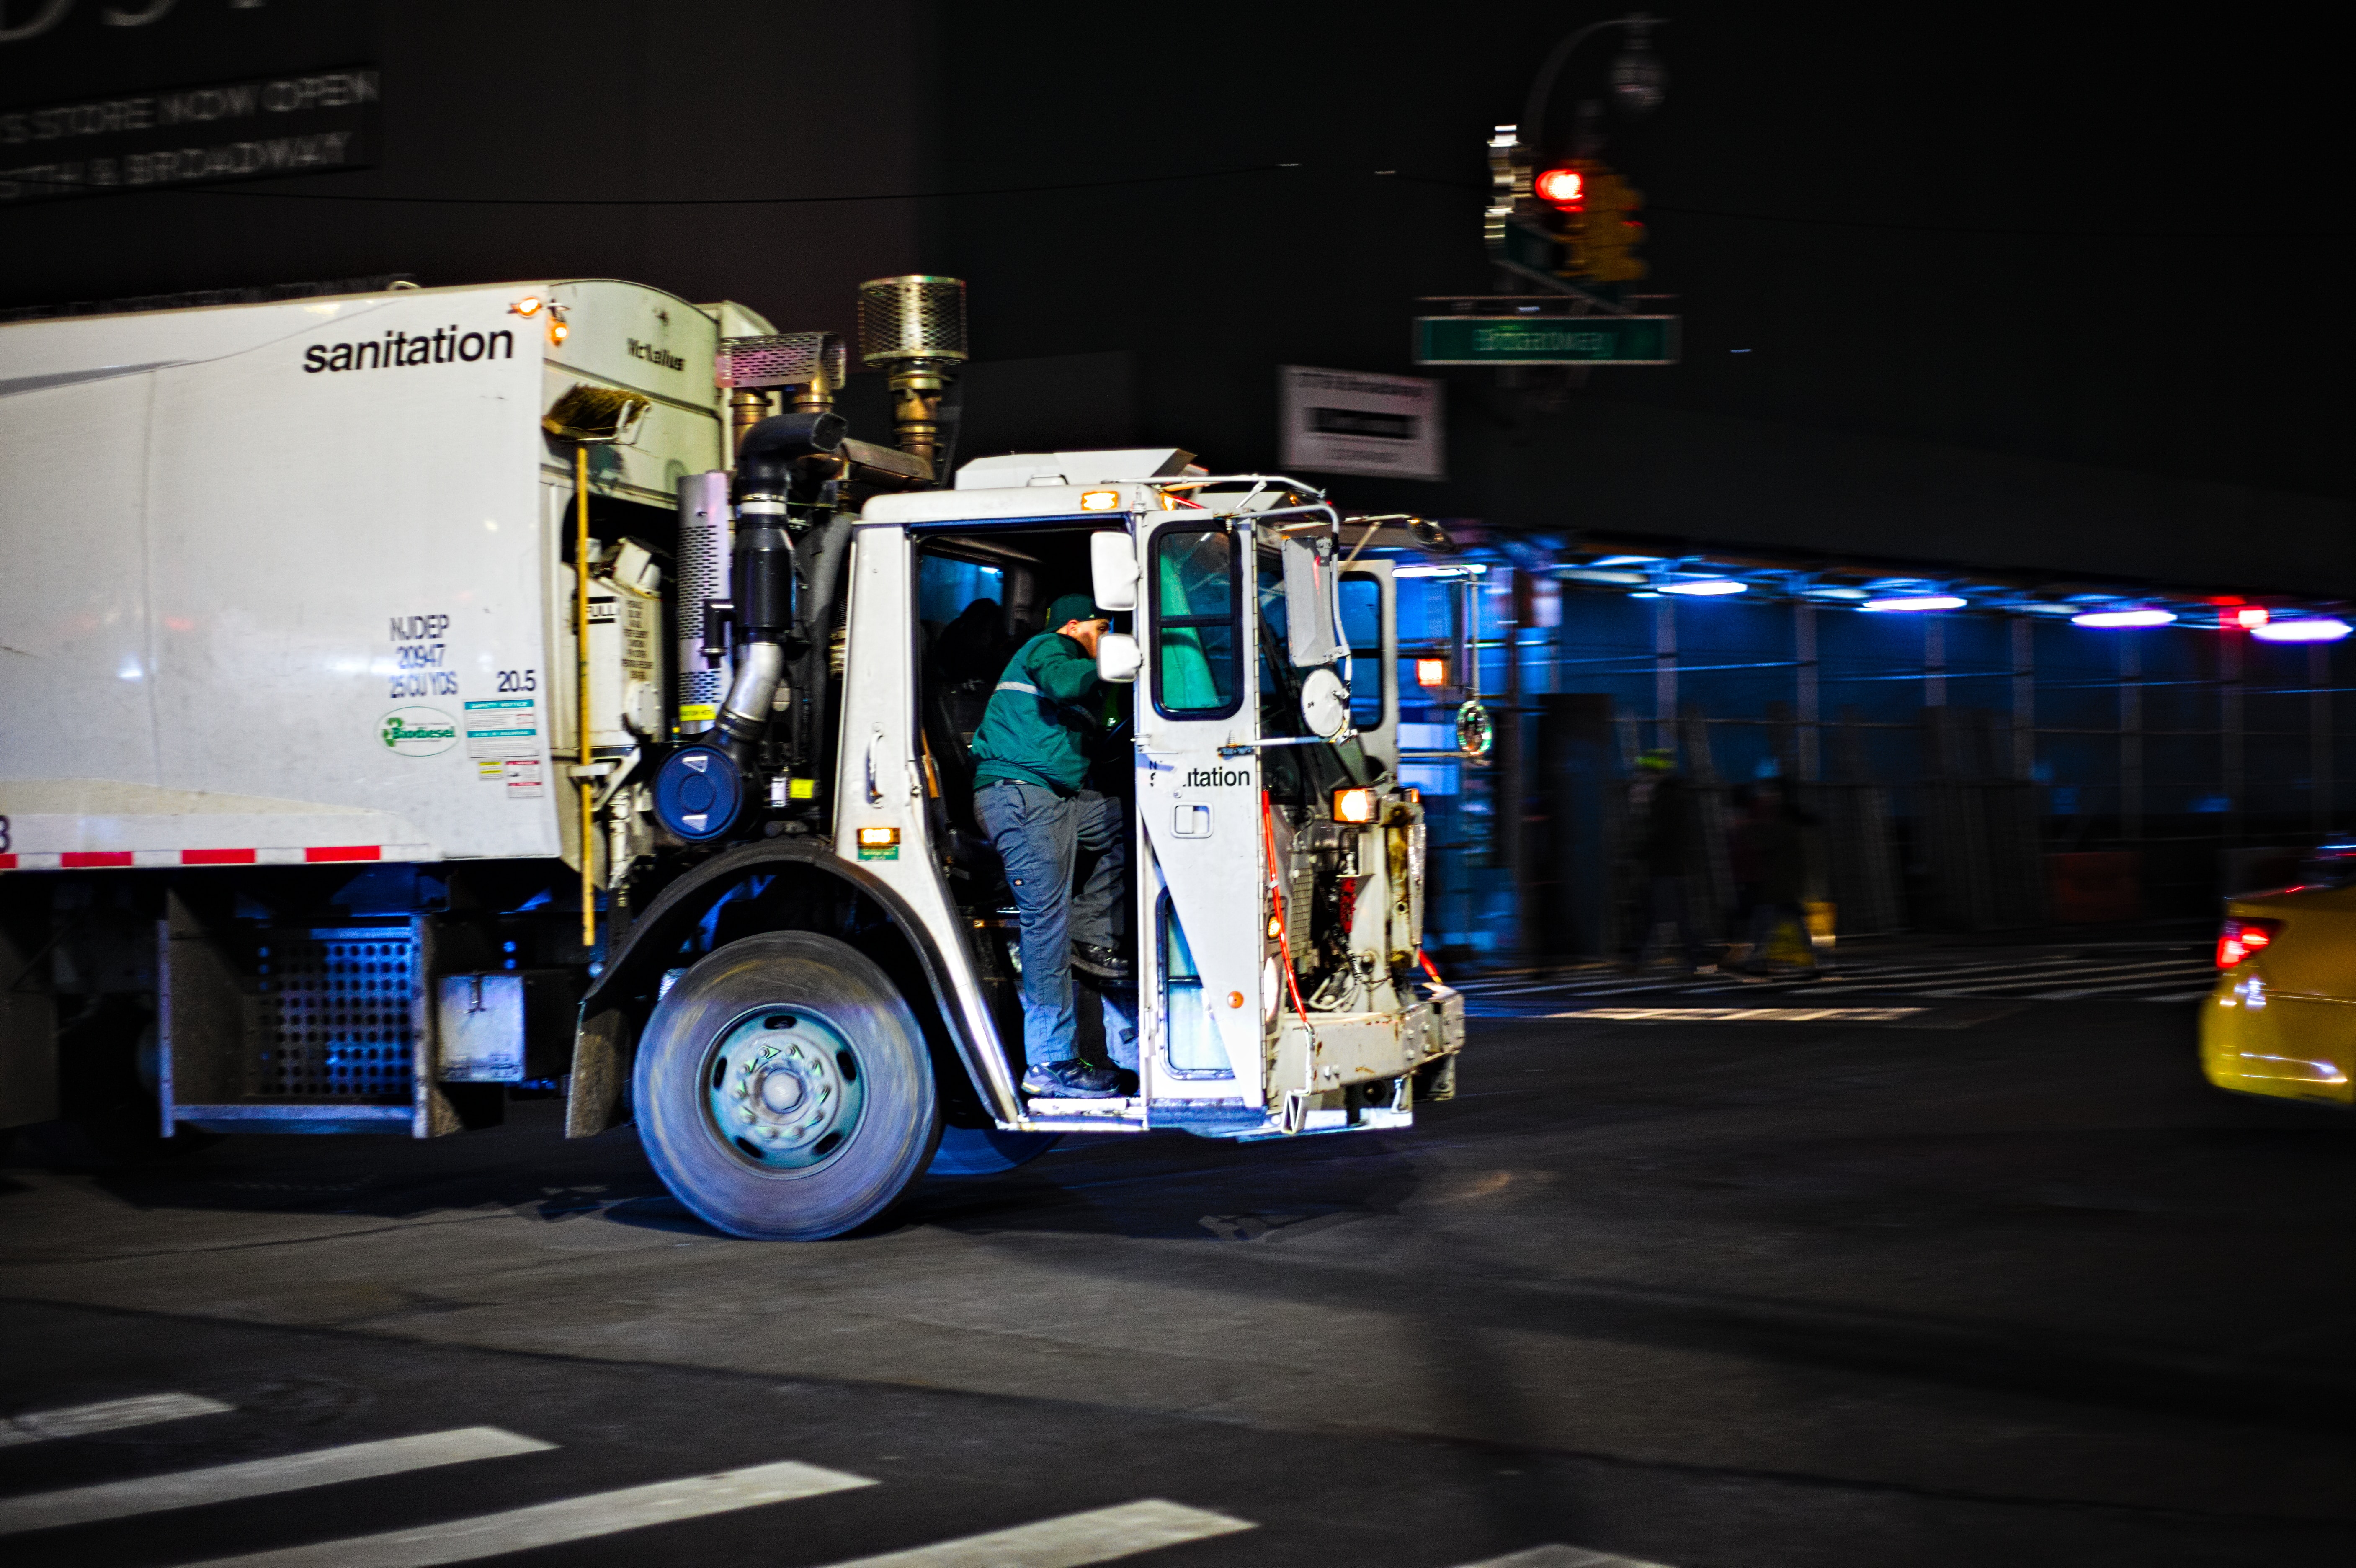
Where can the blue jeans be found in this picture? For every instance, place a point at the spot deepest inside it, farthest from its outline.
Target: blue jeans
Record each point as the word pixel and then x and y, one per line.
pixel 1039 835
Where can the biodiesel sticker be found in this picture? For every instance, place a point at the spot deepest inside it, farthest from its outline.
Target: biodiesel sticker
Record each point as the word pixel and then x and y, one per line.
pixel 417 731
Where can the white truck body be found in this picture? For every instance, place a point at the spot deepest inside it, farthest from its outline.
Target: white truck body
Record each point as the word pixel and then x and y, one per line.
pixel 264 603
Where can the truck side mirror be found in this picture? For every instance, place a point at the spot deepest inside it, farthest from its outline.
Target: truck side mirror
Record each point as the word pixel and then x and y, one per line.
pixel 1118 659
pixel 1313 632
pixel 1112 573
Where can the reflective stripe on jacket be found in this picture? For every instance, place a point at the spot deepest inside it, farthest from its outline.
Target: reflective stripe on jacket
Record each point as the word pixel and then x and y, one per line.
pixel 1041 719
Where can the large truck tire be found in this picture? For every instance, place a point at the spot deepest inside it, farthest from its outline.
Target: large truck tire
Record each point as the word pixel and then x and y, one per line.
pixel 987 1151
pixel 783 1090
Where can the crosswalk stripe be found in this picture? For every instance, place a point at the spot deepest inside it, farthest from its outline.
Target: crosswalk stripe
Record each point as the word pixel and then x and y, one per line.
pixel 259 1477
pixel 2166 973
pixel 2076 992
pixel 1100 1535
pixel 556 1523
pixel 1871 974
pixel 111 1415
pixel 1562 1557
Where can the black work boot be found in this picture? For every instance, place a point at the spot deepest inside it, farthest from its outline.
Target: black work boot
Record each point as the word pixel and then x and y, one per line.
pixel 1104 963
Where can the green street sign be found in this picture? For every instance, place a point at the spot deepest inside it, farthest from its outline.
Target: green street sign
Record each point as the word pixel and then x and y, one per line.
pixel 1546 340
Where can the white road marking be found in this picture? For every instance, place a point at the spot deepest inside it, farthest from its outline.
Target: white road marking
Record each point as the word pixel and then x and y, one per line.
pixel 112 1415
pixel 1743 1015
pixel 2142 984
pixel 556 1523
pixel 1562 1557
pixel 1100 1535
pixel 2178 969
pixel 259 1477
pixel 1867 974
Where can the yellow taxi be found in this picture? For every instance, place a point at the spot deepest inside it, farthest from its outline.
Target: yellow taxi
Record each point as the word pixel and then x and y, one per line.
pixel 2282 1019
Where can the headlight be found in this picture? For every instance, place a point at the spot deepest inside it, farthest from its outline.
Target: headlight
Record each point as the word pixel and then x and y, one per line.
pixel 1354 804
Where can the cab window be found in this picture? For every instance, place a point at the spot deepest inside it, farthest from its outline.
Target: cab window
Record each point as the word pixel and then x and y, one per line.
pixel 1362 628
pixel 1197 623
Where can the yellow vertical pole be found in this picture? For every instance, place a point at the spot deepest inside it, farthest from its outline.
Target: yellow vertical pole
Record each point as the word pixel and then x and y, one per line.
pixel 581 709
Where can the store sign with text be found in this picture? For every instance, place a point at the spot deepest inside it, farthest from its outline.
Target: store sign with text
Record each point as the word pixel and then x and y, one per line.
pixel 1343 422
pixel 305 122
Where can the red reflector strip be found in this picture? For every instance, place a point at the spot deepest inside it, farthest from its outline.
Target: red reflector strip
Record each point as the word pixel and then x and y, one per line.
pixel 95 858
pixel 8 862
pixel 216 857
pixel 345 852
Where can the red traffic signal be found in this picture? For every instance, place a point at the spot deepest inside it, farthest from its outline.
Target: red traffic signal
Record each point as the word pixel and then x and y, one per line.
pixel 1565 189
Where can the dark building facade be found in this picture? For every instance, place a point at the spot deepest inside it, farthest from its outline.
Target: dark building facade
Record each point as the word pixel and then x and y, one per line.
pixel 1974 296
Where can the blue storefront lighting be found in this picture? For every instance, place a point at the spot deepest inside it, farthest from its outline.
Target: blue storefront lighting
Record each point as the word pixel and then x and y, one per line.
pixel 1916 603
pixel 2322 629
pixel 2135 617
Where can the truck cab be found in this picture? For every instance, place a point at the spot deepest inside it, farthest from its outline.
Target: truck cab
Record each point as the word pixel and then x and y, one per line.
pixel 1279 985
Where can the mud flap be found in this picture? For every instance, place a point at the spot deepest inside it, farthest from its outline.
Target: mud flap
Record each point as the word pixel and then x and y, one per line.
pixel 601 1066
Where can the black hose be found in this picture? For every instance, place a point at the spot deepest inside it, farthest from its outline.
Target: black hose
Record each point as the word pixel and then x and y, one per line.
pixel 765 458
pixel 821 591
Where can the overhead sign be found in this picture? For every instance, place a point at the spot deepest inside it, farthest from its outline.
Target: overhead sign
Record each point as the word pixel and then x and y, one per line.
pixel 1343 422
pixel 1548 339
pixel 303 123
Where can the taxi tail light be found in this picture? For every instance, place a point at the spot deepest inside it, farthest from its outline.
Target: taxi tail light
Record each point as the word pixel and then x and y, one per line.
pixel 1354 804
pixel 2241 938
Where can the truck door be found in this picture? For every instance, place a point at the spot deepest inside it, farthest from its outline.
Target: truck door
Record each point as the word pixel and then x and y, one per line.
pixel 1203 865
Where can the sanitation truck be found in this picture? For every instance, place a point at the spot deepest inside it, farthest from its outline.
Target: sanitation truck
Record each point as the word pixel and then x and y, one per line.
pixel 415 700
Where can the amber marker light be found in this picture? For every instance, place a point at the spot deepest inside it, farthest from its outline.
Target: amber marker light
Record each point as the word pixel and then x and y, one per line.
pixel 1099 500
pixel 878 838
pixel 1354 804
pixel 527 306
pixel 1431 672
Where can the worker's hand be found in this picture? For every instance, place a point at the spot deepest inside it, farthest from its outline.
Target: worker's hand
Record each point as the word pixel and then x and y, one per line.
pixel 1085 633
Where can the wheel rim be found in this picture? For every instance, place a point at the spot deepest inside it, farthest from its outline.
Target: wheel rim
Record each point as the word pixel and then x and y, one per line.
pixel 784 1089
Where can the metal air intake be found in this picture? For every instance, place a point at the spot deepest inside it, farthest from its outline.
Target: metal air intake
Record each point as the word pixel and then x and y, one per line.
pixel 916 319
pixel 812 363
pixel 913 327
pixel 814 360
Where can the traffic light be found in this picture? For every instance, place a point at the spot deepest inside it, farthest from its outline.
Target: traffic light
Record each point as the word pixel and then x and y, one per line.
pixel 1564 190
pixel 1591 206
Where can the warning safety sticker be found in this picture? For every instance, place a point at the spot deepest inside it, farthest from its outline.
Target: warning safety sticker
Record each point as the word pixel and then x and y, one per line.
pixel 506 726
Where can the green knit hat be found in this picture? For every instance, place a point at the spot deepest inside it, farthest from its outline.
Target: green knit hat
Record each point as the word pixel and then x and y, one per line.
pixel 1070 607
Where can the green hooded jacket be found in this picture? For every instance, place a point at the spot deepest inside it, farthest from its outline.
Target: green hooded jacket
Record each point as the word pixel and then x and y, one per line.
pixel 1047 710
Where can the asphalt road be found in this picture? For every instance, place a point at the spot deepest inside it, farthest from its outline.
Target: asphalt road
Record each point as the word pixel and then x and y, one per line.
pixel 1981 1286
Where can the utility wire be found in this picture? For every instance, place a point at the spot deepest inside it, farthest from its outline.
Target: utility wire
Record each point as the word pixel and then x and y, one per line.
pixel 1812 221
pixel 243 192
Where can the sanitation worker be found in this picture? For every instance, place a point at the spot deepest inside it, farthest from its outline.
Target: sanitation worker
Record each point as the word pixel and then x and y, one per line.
pixel 1031 796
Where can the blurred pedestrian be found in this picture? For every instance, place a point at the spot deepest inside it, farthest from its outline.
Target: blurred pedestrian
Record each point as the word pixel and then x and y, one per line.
pixel 1664 828
pixel 1769 851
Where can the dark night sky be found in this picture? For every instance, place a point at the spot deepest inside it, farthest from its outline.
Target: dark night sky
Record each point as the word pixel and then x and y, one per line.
pixel 1803 168
pixel 2202 356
